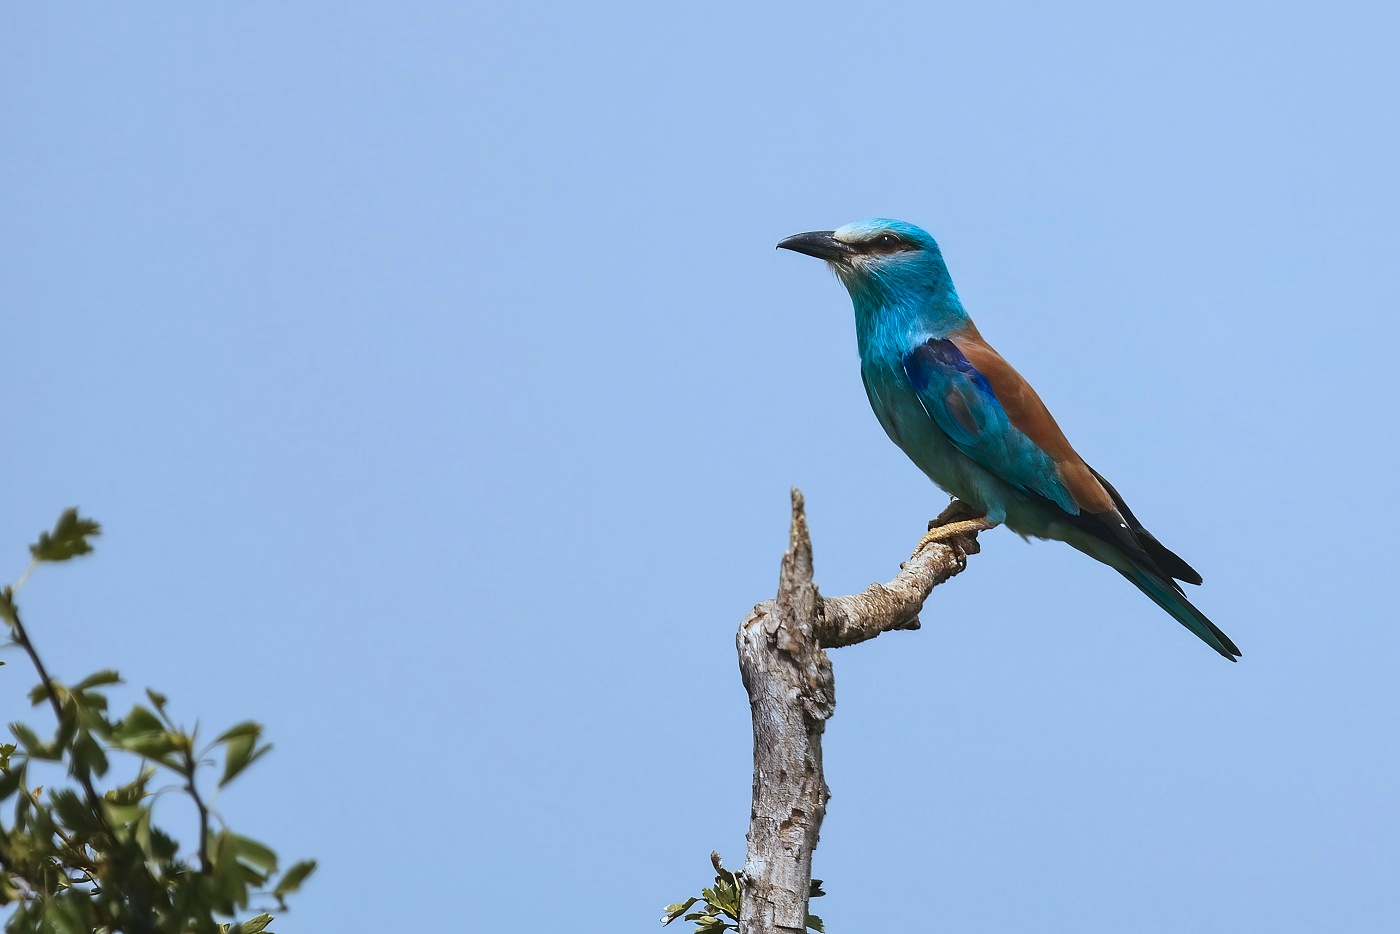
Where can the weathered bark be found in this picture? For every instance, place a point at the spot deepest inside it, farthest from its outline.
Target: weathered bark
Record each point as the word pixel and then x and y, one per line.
pixel 792 693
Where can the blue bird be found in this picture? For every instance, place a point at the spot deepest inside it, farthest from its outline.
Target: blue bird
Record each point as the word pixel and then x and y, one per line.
pixel 972 423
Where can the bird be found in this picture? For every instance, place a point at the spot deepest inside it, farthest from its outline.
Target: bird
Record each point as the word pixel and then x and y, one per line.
pixel 973 424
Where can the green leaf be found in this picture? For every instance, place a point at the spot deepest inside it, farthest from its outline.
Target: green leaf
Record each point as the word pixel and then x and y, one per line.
pixel 675 911
pixel 139 721
pixel 293 878
pixel 239 742
pixel 724 903
pixel 815 890
pixel 255 925
pixel 156 745
pixel 145 734
pixel 40 693
pixel 68 539
pixel 720 872
pixel 67 725
pixel 72 811
pixel 10 780
pixel 255 853
pixel 34 747
pixel 88 757
pixel 229 884
pixel 157 698
pixel 122 815
pixel 234 766
pixel 815 924
pixel 163 845
pixel 246 728
pixel 98 678
pixel 8 611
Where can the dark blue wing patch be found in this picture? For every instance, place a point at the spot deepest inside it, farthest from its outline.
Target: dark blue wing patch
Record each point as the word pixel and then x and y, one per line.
pixel 943 354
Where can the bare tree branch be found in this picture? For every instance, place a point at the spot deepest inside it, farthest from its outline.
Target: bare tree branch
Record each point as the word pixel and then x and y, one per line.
pixel 792 693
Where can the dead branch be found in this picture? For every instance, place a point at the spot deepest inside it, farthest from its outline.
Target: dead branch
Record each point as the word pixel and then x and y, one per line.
pixel 792 693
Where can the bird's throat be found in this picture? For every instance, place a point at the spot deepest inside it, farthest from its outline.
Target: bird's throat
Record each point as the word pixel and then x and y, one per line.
pixel 889 325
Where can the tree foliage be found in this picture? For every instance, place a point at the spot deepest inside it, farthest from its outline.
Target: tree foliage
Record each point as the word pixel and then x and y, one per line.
pixel 73 859
pixel 719 904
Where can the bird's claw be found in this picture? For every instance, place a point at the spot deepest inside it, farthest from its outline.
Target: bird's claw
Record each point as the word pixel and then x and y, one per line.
pixel 942 533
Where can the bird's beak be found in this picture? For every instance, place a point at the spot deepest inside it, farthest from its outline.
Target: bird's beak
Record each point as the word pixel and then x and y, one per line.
pixel 818 243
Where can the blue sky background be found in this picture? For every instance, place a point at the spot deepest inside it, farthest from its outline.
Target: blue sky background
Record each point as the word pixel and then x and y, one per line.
pixel 438 386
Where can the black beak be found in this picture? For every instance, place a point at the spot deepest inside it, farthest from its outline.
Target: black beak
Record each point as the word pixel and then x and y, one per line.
pixel 818 243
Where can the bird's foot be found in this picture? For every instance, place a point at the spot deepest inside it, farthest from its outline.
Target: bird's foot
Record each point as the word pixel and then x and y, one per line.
pixel 944 532
pixel 958 519
pixel 956 511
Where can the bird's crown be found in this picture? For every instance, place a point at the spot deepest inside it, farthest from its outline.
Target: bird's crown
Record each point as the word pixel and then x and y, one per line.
pixel 884 235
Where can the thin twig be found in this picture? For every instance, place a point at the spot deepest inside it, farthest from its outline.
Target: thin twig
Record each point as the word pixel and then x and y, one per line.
pixel 25 576
pixel 93 799
pixel 204 865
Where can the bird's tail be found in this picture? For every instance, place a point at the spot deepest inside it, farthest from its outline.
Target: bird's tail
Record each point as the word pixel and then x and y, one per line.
pixel 1167 595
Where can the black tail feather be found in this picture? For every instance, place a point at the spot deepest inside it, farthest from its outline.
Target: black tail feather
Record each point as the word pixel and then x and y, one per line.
pixel 1166 594
pixel 1169 561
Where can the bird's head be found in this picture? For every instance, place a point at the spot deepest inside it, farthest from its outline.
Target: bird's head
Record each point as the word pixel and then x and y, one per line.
pixel 882 262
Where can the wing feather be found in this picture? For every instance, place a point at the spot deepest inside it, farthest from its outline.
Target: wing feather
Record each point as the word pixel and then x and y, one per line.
pixel 957 396
pixel 994 417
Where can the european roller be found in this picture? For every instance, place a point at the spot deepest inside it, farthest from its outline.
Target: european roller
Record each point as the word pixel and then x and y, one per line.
pixel 973 424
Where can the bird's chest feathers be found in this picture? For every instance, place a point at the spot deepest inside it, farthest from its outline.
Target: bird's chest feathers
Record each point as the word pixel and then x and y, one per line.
pixel 884 335
pixel 899 410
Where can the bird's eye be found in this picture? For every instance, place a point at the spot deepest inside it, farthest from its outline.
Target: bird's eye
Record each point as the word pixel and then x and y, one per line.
pixel 887 242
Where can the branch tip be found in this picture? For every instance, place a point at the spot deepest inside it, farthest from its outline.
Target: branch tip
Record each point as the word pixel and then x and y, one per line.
pixel 798 535
pixel 796 571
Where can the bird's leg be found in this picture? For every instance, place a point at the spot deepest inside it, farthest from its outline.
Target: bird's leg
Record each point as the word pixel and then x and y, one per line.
pixel 958 519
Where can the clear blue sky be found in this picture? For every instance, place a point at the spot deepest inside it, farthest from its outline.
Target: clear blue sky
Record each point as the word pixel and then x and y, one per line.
pixel 432 371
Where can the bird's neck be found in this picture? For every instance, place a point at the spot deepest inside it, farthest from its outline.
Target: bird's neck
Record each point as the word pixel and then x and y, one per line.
pixel 892 321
